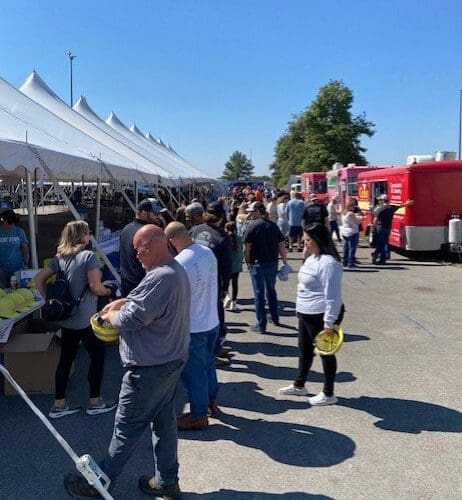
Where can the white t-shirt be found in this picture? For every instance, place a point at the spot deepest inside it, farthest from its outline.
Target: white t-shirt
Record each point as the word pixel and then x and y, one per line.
pixel 319 288
pixel 332 211
pixel 350 224
pixel 201 267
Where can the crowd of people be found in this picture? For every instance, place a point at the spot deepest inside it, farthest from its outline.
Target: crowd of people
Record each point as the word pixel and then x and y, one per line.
pixel 177 279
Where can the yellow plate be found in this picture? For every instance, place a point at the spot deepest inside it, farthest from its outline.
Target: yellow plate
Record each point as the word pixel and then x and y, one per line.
pixel 105 331
pixel 327 344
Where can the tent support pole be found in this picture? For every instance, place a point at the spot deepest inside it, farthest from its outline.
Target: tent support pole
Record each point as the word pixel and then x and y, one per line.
pixel 73 210
pixel 172 196
pixel 31 219
pixel 98 208
pixel 136 192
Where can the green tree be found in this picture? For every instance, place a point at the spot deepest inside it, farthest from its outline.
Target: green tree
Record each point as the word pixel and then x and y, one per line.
pixel 325 133
pixel 237 167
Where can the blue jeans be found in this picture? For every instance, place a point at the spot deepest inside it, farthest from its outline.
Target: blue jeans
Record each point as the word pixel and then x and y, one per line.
pixel 382 244
pixel 350 244
pixel 199 375
pixel 263 275
pixel 146 397
pixel 334 229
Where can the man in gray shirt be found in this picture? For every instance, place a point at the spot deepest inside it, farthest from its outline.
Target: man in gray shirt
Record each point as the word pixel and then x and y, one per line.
pixel 154 328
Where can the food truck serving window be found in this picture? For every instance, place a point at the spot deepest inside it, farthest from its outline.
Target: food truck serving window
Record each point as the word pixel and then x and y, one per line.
pixel 320 187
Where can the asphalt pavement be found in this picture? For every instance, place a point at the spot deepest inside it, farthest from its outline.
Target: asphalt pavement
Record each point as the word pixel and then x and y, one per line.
pixel 394 434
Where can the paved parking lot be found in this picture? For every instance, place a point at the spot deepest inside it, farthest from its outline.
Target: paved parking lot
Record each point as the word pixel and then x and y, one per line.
pixel 395 433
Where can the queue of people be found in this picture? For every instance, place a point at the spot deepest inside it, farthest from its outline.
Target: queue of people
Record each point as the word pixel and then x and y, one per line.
pixel 177 279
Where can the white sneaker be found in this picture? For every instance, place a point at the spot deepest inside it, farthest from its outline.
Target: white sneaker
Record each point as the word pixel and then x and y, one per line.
pixel 233 306
pixel 291 390
pixel 227 302
pixel 322 400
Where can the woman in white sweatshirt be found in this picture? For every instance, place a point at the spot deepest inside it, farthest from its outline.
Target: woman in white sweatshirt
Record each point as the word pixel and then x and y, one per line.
pixel 319 306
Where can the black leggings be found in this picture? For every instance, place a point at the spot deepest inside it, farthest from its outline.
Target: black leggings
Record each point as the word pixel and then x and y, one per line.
pixel 70 340
pixel 309 325
pixel 234 285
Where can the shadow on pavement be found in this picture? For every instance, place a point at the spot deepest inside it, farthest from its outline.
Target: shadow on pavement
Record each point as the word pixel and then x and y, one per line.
pixel 350 337
pixel 282 372
pixel 404 415
pixel 287 443
pixel 253 495
pixel 266 348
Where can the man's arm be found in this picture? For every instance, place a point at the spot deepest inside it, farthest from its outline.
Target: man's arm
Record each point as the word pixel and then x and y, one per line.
pixel 247 247
pixel 283 252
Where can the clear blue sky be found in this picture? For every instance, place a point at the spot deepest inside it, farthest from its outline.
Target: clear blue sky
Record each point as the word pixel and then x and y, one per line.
pixel 213 76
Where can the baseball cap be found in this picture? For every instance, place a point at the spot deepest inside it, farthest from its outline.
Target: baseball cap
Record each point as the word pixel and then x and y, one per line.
pixel 151 205
pixel 313 197
pixel 256 205
pixel 195 208
pixel 216 208
pixel 383 197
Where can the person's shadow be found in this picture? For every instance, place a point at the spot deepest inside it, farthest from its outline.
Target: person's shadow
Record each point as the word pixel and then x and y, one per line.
pixel 272 372
pixel 253 495
pixel 405 415
pixel 287 443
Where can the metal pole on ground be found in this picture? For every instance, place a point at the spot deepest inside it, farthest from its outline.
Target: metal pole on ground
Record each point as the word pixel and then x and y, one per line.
pixel 98 208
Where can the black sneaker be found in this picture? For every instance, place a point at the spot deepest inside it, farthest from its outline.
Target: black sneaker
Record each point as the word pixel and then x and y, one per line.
pixel 77 487
pixel 275 322
pixel 101 407
pixel 150 486
pixel 62 411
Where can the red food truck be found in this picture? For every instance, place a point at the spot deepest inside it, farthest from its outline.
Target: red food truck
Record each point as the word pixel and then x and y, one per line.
pixel 314 183
pixel 435 187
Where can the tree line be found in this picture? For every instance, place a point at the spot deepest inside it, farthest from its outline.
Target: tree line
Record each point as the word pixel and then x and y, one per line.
pixel 324 133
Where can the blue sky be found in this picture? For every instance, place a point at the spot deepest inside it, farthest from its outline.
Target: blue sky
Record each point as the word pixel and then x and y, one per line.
pixel 210 77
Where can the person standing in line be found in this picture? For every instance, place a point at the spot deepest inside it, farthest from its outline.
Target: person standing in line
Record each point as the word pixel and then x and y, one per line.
pixel 272 209
pixel 319 307
pixel 332 210
pixel 212 235
pixel 149 211
pixel 154 329
pixel 350 234
pixel 263 243
pixel 194 214
pixel 238 255
pixel 199 376
pixel 383 217
pixel 295 209
pixel 283 218
pixel 315 212
pixel 84 277
pixel 14 247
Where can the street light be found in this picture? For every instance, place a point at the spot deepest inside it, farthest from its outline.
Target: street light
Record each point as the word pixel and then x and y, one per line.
pixel 71 58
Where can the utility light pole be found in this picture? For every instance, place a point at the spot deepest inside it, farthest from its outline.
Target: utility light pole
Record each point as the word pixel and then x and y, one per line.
pixel 71 58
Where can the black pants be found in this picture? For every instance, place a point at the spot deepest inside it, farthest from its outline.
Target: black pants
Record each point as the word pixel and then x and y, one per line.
pixel 70 340
pixel 309 325
pixel 234 285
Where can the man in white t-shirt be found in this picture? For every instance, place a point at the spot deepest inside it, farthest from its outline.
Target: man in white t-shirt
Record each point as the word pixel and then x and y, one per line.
pixel 199 375
pixel 333 211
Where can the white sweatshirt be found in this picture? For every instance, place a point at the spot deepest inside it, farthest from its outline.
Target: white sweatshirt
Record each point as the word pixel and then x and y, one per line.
pixel 319 288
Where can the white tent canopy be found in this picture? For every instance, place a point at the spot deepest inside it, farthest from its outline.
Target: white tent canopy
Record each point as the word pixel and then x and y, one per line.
pixel 73 143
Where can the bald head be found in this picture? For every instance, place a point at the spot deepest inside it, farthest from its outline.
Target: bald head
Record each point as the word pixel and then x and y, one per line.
pixel 178 236
pixel 151 246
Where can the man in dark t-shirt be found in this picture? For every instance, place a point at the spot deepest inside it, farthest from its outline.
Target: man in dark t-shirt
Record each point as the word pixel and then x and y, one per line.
pixel 263 242
pixel 315 212
pixel 149 211
pixel 383 218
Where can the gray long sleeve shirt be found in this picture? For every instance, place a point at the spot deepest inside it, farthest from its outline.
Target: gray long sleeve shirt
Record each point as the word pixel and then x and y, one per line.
pixel 154 323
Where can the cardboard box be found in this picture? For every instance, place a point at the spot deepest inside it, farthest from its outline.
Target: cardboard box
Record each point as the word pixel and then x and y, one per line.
pixel 33 371
pixel 31 358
